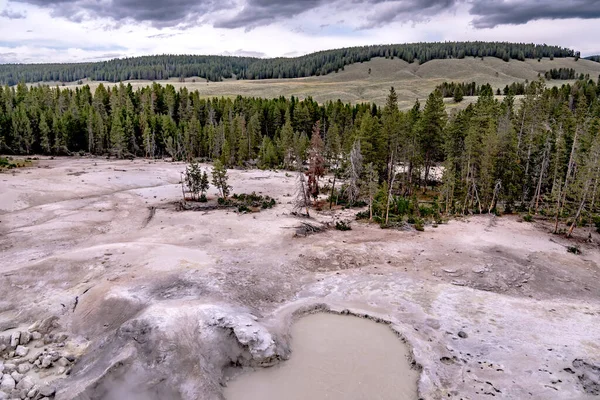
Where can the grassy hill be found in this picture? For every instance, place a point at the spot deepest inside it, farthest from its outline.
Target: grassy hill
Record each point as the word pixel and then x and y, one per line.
pixel 412 81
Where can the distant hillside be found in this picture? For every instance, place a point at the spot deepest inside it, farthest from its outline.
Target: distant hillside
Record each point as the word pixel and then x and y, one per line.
pixel 593 58
pixel 370 81
pixel 217 68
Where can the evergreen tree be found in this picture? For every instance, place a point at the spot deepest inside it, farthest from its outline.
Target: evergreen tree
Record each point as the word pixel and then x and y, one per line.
pixel 220 179
pixel 458 94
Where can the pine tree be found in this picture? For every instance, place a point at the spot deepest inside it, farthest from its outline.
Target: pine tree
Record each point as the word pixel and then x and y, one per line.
pixel 458 94
pixel 220 178
pixel 204 185
pixel 117 136
pixel 431 128
pixel 44 135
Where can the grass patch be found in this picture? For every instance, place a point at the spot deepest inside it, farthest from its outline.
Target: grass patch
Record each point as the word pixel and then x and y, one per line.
pixel 10 163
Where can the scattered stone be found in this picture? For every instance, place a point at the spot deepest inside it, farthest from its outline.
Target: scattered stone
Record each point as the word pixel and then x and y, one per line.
pixel 36 336
pixel 61 337
pixel 25 384
pixel 14 339
pixel 7 384
pixel 449 270
pixel 25 338
pixel 24 368
pixel 33 392
pixel 47 390
pixel 62 362
pixel 462 335
pixel 8 368
pixel 3 396
pixel 16 376
pixel 21 351
pixel 46 361
pixel 44 326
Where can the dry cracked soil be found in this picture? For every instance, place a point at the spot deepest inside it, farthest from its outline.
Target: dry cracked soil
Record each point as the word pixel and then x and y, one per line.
pixel 108 292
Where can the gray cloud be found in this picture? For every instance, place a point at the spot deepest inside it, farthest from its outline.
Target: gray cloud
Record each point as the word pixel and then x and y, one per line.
pixel 10 14
pixel 245 53
pixel 159 13
pixel 406 10
pixel 264 12
pixel 249 14
pixel 489 14
pixel 8 58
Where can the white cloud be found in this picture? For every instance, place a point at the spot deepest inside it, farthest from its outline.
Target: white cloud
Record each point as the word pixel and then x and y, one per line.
pixel 41 37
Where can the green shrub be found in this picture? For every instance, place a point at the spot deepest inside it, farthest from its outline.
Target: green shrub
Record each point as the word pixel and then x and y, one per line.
pixel 342 226
pixel 203 199
pixel 528 218
pixel 419 225
pixel 596 219
pixel 573 249
pixel 243 209
pixel 362 215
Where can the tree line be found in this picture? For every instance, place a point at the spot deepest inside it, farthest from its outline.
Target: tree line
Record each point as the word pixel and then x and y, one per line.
pixel 216 68
pixel 541 155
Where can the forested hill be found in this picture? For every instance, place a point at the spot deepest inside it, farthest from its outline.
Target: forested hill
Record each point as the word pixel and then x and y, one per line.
pixel 216 68
pixel 593 58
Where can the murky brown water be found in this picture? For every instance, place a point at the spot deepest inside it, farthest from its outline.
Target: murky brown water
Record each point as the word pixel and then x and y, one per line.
pixel 334 357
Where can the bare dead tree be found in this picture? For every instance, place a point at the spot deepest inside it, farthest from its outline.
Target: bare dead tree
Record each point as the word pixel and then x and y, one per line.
pixel 356 166
pixel 302 198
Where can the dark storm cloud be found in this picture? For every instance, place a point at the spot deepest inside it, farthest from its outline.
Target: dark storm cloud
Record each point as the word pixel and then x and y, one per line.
pixel 489 14
pixel 159 13
pixel 248 14
pixel 263 12
pixel 10 14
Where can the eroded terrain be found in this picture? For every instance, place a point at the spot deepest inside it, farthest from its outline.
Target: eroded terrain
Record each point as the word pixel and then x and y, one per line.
pixel 113 299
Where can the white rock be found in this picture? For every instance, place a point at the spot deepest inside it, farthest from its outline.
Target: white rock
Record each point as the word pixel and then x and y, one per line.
pixel 46 361
pixel 25 338
pixel 7 384
pixel 33 392
pixel 3 396
pixel 63 362
pixel 24 368
pixel 36 336
pixel 26 384
pixel 16 376
pixel 21 351
pixel 8 368
pixel 47 390
pixel 14 339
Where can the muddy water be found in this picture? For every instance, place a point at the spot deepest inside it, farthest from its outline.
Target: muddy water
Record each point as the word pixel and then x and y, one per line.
pixel 334 357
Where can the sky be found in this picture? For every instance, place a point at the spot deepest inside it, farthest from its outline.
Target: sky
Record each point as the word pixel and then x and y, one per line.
pixel 33 31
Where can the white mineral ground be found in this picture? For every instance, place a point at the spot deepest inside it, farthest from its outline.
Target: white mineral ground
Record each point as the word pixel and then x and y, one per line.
pixel 160 305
